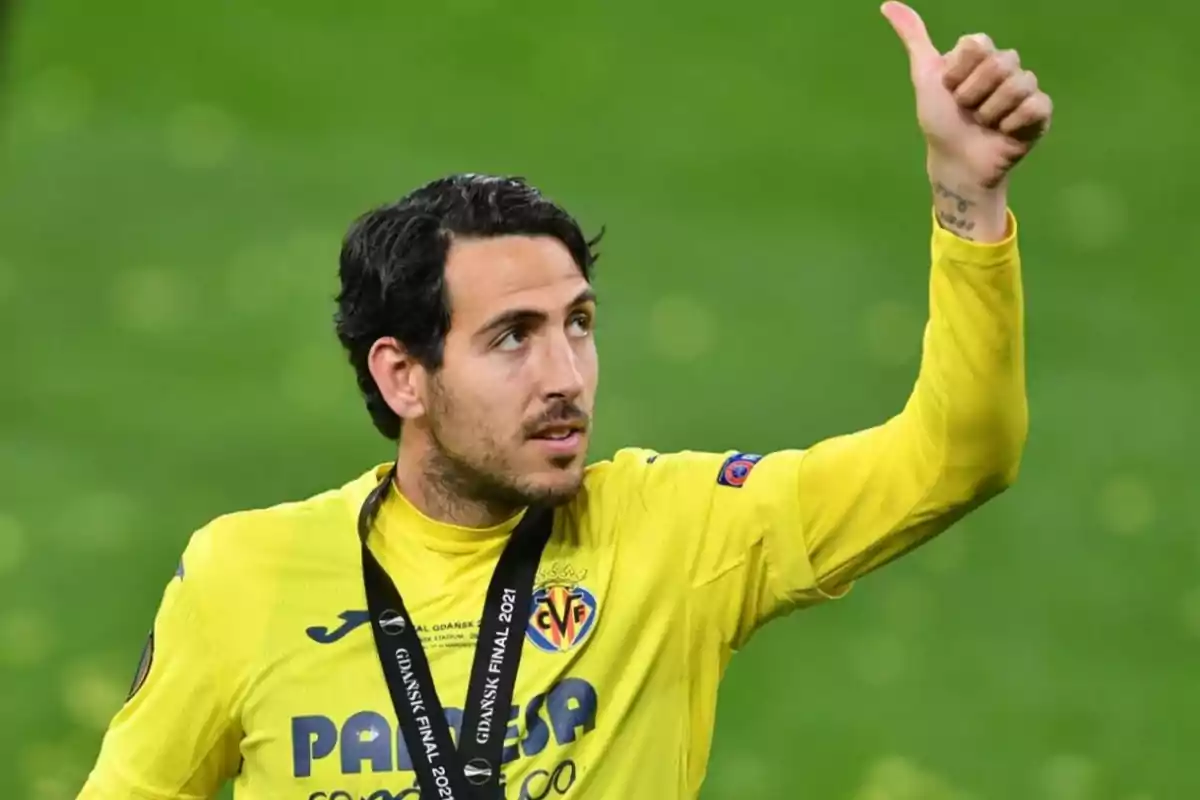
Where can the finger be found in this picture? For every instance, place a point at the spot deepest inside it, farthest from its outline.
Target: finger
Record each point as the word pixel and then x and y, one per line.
pixel 1008 95
pixel 912 32
pixel 967 54
pixel 1030 119
pixel 986 78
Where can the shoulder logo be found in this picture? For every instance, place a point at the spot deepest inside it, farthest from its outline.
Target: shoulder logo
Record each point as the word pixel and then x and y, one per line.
pixel 563 611
pixel 736 469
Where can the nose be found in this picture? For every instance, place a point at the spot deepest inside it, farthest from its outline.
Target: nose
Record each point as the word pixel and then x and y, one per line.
pixel 562 376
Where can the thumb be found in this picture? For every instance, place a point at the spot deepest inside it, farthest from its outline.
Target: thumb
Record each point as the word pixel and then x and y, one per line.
pixel 911 29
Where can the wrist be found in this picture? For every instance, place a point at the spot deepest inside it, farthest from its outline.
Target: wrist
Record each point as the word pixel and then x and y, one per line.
pixel 964 205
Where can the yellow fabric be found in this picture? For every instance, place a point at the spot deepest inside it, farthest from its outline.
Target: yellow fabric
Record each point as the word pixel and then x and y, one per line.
pixel 265 672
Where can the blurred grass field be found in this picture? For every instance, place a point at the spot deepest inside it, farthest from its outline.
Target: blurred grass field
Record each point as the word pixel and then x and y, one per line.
pixel 175 182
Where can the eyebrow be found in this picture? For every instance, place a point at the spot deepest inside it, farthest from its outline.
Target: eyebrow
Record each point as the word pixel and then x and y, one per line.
pixel 530 316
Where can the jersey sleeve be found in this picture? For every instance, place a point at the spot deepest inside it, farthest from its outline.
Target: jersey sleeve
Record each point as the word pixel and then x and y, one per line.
pixel 176 737
pixel 762 535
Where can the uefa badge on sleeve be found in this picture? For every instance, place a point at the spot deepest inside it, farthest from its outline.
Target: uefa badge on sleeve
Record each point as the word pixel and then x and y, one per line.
pixel 736 469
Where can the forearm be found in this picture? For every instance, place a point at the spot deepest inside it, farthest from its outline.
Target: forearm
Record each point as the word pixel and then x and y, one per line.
pixel 970 397
pixel 871 496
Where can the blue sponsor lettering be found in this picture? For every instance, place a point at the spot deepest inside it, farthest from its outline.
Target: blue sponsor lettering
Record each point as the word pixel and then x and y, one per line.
pixel 313 738
pixel 571 706
pixel 366 736
pixel 540 783
pixel 537 735
pixel 367 740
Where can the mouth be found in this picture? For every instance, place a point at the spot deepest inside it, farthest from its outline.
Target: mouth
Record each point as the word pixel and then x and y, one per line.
pixel 560 438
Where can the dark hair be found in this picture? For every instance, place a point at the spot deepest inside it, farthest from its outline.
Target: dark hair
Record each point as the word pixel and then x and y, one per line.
pixel 393 266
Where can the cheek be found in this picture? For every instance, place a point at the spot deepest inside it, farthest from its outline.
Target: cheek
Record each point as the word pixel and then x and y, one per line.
pixel 489 400
pixel 471 424
pixel 589 365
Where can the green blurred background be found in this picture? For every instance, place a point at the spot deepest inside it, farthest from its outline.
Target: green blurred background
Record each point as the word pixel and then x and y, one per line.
pixel 175 181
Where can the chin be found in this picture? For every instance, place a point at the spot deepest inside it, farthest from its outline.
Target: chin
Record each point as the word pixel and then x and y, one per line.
pixel 557 489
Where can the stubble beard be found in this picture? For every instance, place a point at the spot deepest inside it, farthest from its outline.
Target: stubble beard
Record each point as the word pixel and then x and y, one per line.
pixel 464 485
pixel 461 484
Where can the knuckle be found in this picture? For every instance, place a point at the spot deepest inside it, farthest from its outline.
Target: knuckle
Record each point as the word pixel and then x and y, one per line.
pixel 1009 60
pixel 975 43
pixel 992 69
pixel 1022 85
pixel 1035 110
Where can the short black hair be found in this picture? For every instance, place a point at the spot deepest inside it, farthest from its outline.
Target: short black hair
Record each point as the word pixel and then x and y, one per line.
pixel 393 266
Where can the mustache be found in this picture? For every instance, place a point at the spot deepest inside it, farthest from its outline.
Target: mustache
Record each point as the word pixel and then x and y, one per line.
pixel 562 413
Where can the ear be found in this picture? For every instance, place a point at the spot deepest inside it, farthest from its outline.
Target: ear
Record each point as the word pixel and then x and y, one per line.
pixel 399 376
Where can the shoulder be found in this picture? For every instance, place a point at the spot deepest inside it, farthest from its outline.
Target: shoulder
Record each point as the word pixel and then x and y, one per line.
pixel 642 478
pixel 639 467
pixel 623 463
pixel 617 476
pixel 245 544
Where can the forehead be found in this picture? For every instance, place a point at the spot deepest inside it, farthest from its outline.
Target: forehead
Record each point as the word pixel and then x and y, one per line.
pixel 487 276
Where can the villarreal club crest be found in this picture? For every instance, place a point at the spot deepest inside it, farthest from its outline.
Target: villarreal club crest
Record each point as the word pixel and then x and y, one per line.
pixel 563 611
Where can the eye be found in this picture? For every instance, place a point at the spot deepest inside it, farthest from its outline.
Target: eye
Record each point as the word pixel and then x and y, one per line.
pixel 580 323
pixel 512 339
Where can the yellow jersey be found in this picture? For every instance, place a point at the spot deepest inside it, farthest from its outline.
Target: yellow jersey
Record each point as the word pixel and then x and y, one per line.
pixel 262 669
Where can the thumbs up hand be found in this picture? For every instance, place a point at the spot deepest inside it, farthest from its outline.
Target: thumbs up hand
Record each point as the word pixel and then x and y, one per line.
pixel 980 111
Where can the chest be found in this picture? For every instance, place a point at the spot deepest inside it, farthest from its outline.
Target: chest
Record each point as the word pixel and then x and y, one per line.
pixel 318 715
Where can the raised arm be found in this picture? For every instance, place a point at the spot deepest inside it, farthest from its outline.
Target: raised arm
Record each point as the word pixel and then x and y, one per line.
pixel 872 496
pixel 766 534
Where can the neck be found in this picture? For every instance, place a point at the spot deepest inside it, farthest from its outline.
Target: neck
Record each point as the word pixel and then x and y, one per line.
pixel 437 491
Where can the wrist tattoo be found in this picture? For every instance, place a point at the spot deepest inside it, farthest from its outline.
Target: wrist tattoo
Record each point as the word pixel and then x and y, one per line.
pixel 953 210
pixel 961 225
pixel 962 203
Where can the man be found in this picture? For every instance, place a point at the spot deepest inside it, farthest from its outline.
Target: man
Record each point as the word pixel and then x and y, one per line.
pixel 519 625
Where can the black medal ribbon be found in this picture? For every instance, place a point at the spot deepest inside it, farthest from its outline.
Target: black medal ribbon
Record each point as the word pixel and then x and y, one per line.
pixel 472 772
